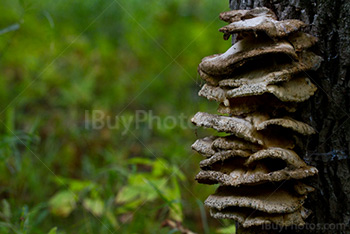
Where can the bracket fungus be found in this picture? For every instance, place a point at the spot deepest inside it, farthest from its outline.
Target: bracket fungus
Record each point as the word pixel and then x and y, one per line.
pixel 258 82
pixel 265 21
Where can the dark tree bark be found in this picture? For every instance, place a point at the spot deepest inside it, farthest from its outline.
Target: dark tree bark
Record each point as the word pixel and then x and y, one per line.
pixel 328 111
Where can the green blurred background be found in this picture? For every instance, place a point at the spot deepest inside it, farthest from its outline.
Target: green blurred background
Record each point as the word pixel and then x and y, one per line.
pixel 59 61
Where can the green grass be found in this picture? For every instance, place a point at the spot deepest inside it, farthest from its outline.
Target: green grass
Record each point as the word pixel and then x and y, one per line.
pixel 59 61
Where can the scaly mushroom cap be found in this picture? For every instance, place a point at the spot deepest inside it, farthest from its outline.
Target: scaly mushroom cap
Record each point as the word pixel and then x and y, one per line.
pixel 273 164
pixel 246 128
pixel 213 93
pixel 301 41
pixel 247 105
pixel 268 25
pixel 266 161
pixel 289 123
pixel 204 146
pixel 241 52
pixel 271 71
pixel 257 77
pixel 270 198
pixel 258 175
pixel 237 126
pixel 212 80
pixel 288 156
pixel 249 217
pixel 295 90
pixel 238 15
pixel 232 142
pixel 222 156
pixel 209 146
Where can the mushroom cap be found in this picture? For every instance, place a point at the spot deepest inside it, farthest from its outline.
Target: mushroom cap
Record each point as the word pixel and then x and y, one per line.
pixel 287 122
pixel 247 90
pixel 247 128
pixel 238 15
pixel 274 72
pixel 209 146
pixel 204 146
pixel 223 155
pixel 213 93
pixel 242 51
pixel 269 198
pixel 258 77
pixel 289 156
pixel 250 104
pixel 272 27
pixel 271 71
pixel 249 217
pixel 237 126
pixel 212 80
pixel 301 40
pixel 232 142
pixel 237 166
pixel 242 176
pixel 295 90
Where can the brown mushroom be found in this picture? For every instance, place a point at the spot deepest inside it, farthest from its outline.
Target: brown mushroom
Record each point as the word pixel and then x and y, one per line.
pixel 232 142
pixel 242 51
pixel 249 217
pixel 204 146
pixel 237 126
pixel 270 198
pixel 272 27
pixel 287 122
pixel 274 73
pixel 270 72
pixel 213 93
pixel 296 90
pixel 301 41
pixel 238 15
pixel 288 156
pixel 260 174
pixel 250 104
pixel 223 155
pixel 247 128
pixel 258 82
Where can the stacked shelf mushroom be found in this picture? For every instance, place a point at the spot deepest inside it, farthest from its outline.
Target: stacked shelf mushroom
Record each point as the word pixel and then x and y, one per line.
pixel 258 82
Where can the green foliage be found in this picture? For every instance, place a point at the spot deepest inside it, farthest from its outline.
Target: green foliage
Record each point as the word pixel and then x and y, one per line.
pixel 59 60
pixel 63 203
pixel 53 230
pixel 228 230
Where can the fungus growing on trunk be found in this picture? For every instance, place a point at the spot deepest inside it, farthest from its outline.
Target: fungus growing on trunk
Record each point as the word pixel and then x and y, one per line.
pixel 251 217
pixel 265 23
pixel 243 51
pixel 284 200
pixel 238 15
pixel 258 82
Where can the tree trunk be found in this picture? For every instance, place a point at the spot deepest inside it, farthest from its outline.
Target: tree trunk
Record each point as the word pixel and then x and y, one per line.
pixel 328 111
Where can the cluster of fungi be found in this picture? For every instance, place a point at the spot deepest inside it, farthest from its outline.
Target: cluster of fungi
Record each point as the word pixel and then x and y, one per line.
pixel 259 83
